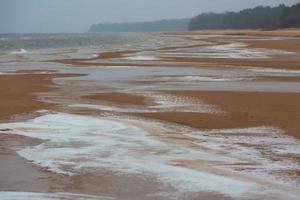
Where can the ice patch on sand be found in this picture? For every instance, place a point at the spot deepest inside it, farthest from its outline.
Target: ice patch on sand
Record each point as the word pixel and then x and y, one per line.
pixel 48 196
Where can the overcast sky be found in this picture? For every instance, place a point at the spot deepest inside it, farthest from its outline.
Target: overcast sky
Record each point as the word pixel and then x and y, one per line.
pixel 77 15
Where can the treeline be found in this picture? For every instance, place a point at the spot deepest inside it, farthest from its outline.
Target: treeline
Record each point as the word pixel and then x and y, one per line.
pixel 153 26
pixel 259 17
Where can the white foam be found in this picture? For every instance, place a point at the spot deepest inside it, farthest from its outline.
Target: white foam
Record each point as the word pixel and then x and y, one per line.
pixel 112 108
pixel 166 102
pixel 261 130
pixel 48 196
pixel 206 79
pixel 163 103
pixel 119 67
pixel 9 73
pixel 273 70
pixel 21 51
pixel 142 58
pixel 236 50
pixel 93 56
pixel 25 73
pixel 43 72
pixel 75 144
pixel 268 150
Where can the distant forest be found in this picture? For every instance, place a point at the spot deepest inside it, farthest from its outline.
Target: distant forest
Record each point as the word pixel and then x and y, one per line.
pixel 154 26
pixel 259 17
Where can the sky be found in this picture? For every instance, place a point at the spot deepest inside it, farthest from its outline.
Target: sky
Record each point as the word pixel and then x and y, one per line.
pixel 71 16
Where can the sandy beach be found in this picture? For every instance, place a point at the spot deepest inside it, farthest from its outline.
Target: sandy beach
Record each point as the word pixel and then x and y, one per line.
pixel 119 98
pixel 217 110
pixel 241 109
pixel 19 93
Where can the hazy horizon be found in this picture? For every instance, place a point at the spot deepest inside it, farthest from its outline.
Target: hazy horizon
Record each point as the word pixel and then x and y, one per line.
pixel 61 16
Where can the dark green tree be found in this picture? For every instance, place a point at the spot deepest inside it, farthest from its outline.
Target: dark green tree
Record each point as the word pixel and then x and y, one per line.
pixel 256 18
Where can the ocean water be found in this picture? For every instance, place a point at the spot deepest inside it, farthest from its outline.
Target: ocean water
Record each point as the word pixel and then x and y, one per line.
pixel 34 51
pixel 14 43
pixel 35 41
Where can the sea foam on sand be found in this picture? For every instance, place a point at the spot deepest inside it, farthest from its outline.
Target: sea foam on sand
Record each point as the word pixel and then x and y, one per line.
pixel 48 196
pixel 162 103
pixel 206 79
pixel 142 58
pixel 75 144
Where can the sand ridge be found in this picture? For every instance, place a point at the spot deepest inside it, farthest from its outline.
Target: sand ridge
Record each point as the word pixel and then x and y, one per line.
pixel 242 109
pixel 19 92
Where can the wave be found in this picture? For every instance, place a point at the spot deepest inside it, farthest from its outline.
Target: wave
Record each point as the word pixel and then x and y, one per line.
pixel 21 51
pixel 93 56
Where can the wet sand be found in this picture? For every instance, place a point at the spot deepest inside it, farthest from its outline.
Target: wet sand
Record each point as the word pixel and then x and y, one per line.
pixel 20 92
pixel 242 110
pixel 292 45
pixel 17 173
pixel 291 32
pixel 278 60
pixel 19 99
pixel 278 78
pixel 119 98
pixel 21 95
pixel 278 63
pixel 101 56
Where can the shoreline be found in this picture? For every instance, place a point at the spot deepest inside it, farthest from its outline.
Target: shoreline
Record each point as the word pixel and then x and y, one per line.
pixel 288 32
pixel 287 59
pixel 242 110
pixel 108 127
